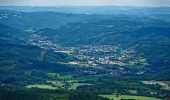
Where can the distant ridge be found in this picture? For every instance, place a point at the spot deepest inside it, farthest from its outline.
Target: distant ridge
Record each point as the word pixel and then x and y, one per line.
pixel 108 10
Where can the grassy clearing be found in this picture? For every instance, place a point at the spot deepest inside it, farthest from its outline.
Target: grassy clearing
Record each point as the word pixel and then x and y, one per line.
pixel 74 63
pixel 153 93
pixel 114 97
pixel 65 76
pixel 78 64
pixel 120 64
pixel 69 63
pixel 30 30
pixel 59 76
pixel 133 91
pixel 65 51
pixel 56 83
pixel 42 86
pixel 143 61
pixel 52 75
pixel 74 86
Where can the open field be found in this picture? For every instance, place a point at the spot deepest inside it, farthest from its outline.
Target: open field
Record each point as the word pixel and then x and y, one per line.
pixel 133 91
pixel 42 86
pixel 65 51
pixel 59 76
pixel 65 76
pixel 79 64
pixel 74 63
pixel 75 85
pixel 114 97
pixel 56 83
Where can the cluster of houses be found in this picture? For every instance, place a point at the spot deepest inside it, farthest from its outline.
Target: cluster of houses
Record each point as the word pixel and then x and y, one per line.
pixel 98 56
pixel 7 15
pixel 42 42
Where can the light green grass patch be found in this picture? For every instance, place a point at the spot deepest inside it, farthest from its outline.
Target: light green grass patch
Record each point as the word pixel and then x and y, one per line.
pixel 65 76
pixel 52 75
pixel 42 86
pixel 59 76
pixel 121 64
pixel 30 30
pixel 133 91
pixel 143 61
pixel 56 83
pixel 153 93
pixel 74 86
pixel 78 64
pixel 65 51
pixel 128 97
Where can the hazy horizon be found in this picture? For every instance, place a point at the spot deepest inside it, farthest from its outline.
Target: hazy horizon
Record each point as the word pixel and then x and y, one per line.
pixel 138 3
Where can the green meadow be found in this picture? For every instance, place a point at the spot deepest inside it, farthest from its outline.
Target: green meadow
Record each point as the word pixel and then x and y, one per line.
pixel 42 86
pixel 114 97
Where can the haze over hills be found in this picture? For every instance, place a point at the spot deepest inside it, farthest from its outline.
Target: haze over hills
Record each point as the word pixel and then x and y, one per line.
pixel 101 10
pixel 84 52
